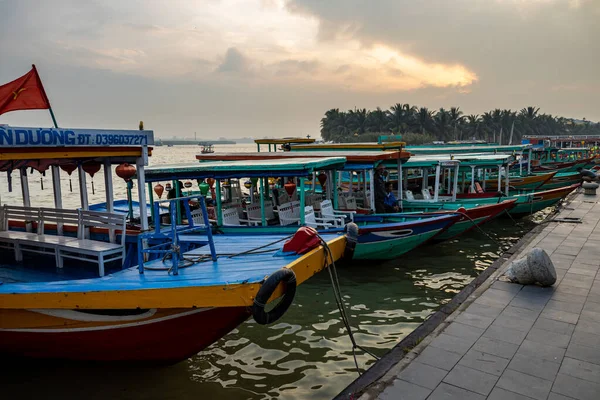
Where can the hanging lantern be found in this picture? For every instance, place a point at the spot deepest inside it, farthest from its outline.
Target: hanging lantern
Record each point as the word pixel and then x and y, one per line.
pixel 211 182
pixel 290 187
pixel 91 168
pixel 125 171
pixel 322 179
pixel 168 187
pixel 159 190
pixel 188 184
pixel 248 184
pixel 254 181
pixel 204 188
pixel 69 168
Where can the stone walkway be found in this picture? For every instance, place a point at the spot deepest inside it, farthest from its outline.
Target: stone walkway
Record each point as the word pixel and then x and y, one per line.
pixel 521 342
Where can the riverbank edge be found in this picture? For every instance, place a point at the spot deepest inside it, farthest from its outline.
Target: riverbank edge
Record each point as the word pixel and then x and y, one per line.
pixel 382 374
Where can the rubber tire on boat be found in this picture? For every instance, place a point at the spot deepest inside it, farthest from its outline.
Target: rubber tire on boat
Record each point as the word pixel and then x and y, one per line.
pixel 288 277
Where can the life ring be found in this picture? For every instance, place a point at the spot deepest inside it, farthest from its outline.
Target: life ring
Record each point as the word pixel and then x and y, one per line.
pixel 288 277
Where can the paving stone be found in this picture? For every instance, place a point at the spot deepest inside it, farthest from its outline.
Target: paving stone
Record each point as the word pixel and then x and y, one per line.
pixel 438 358
pixel 551 325
pixel 569 297
pixel 464 331
pixel 582 271
pixel 576 388
pixel 519 324
pixel 535 349
pixel 573 280
pixel 495 297
pixel 581 369
pixel 484 310
pixel 536 304
pixel 422 375
pixel 484 362
pixel 526 385
pixel 402 390
pixel 536 291
pixel 562 316
pixel 592 306
pixel 588 326
pixel 586 338
pixel 564 288
pixel 505 334
pixel 556 396
pixel 452 343
pixel 471 379
pixel 478 321
pixel 564 306
pixel 567 250
pixel 501 394
pixel 449 392
pixel 520 312
pixel 535 366
pixel 495 347
pixel 589 315
pixel 550 338
pixel 584 353
pixel 507 286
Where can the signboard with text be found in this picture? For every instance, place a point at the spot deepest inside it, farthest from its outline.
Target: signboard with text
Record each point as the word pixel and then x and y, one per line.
pixel 11 136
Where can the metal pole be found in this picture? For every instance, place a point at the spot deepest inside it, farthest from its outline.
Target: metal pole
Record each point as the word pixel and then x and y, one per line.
pixel 141 176
pixel 57 195
pixel 400 181
pixel 263 218
pixel 108 186
pixel 473 178
pixel 83 188
pixel 506 183
pixel 151 196
pixel 372 191
pixel 335 191
pixel 218 195
pixel 500 177
pixel 455 188
pixel 437 183
pixel 25 187
pixel 529 162
pixel 303 202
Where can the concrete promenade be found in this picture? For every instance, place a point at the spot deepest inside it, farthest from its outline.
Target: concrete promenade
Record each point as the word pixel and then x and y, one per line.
pixel 509 341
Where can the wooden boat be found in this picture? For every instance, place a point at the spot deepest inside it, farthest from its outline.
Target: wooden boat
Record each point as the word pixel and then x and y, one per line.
pixel 207 149
pixel 530 182
pixel 377 239
pixel 112 294
pixel 364 160
pixel 561 179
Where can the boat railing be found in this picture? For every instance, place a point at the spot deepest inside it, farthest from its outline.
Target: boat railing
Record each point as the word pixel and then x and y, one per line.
pixel 167 242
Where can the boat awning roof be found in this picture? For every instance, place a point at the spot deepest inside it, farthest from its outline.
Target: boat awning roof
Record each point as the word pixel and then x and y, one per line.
pixel 348 146
pixel 352 157
pixel 243 169
pixel 289 140
pixel 420 150
pixel 466 160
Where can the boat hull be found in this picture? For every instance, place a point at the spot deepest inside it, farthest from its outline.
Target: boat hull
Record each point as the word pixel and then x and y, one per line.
pixel 162 336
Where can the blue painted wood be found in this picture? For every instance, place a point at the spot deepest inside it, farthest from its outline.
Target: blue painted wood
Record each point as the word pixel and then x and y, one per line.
pixel 247 268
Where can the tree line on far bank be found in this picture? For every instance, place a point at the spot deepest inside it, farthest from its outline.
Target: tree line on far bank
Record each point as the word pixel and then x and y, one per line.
pixel 420 125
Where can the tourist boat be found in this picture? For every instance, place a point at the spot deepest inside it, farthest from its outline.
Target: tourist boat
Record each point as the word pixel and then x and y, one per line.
pixel 355 180
pixel 295 202
pixel 98 289
pixel 207 149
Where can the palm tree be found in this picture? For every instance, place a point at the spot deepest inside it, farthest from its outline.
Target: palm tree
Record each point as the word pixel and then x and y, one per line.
pixel 377 121
pixel 473 121
pixel 358 120
pixel 423 120
pixel 343 127
pixel 328 123
pixel 456 117
pixel 400 117
pixel 443 124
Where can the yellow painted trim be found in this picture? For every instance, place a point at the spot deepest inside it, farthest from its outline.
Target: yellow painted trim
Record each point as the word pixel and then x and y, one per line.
pixel 188 297
pixel 348 146
pixel 284 141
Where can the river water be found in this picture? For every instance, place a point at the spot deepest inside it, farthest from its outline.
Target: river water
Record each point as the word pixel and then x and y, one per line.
pixel 305 355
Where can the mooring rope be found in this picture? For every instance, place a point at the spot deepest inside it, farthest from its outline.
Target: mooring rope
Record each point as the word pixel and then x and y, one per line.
pixel 340 303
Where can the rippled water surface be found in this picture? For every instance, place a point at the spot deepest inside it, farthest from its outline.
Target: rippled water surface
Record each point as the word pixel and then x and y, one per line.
pixel 305 355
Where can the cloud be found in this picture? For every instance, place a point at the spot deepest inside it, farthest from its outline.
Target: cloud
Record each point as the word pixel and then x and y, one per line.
pixel 234 62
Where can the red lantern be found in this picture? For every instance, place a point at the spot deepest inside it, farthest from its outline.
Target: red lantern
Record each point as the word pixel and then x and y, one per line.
pixel 69 168
pixel 91 168
pixel 125 171
pixel 211 182
pixel 188 184
pixel 159 190
pixel 290 188
pixel 322 179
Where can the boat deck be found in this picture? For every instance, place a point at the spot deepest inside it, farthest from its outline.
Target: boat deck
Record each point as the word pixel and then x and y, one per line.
pixel 236 264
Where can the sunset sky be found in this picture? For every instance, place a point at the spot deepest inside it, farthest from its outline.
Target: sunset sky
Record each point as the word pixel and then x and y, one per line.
pixel 259 68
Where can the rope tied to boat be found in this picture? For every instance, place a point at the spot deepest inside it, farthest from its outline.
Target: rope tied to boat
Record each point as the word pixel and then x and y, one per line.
pixel 340 303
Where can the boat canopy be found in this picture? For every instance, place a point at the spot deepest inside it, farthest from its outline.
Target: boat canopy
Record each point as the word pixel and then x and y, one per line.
pixel 248 168
pixel 348 146
pixel 431 162
pixel 424 150
pixel 472 160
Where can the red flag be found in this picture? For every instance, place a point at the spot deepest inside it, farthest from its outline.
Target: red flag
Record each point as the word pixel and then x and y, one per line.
pixel 24 93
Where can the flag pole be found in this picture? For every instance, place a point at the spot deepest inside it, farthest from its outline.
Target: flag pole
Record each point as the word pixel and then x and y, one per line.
pixel 45 95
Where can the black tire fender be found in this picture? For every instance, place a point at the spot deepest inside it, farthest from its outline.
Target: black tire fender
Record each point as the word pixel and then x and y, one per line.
pixel 288 277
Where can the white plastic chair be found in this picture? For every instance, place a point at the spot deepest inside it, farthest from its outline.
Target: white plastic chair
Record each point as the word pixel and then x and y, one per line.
pixel 311 220
pixel 409 195
pixel 426 195
pixel 289 213
pixel 338 218
pixel 231 218
pixel 254 212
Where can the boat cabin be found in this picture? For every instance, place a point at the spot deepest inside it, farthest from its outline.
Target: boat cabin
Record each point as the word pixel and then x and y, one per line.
pixel 284 143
